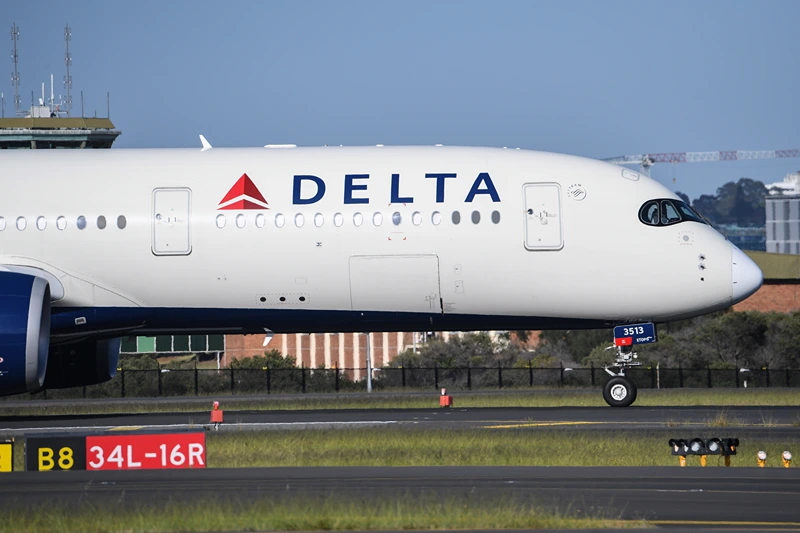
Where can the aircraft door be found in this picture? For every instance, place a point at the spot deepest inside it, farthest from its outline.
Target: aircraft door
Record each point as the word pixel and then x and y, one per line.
pixel 171 221
pixel 543 216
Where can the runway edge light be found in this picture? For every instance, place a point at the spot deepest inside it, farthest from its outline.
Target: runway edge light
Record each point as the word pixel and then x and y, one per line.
pixel 787 459
pixel 216 416
pixel 762 458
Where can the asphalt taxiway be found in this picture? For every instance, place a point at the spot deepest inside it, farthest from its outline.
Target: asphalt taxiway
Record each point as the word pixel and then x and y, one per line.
pixel 749 497
pixel 774 419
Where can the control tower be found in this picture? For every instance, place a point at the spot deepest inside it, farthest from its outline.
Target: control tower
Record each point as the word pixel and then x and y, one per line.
pixel 50 124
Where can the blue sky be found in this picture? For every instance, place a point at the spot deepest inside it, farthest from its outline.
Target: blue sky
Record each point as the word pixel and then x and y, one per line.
pixel 598 79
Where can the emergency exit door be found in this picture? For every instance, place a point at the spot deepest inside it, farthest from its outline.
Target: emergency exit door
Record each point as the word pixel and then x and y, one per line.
pixel 543 216
pixel 171 221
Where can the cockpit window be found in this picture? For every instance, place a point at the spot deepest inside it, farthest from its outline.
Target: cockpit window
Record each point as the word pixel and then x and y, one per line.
pixel 664 212
pixel 650 213
pixel 669 215
pixel 688 213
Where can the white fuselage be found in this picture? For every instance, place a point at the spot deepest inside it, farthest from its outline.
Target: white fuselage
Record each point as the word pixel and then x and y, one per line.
pixel 568 246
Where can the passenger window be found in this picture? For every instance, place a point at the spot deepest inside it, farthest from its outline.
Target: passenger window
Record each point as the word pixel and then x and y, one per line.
pixel 81 222
pixel 101 222
pixel 21 223
pixel 377 219
pixel 240 221
pixel 299 220
pixel 61 222
pixel 338 219
pixel 456 217
pixel 260 220
pixel 280 220
pixel 2 223
pixel 121 222
pixel 41 223
pixel 436 218
pixel 495 217
pixel 416 218
pixel 319 220
pixel 650 213
pixel 358 219
pixel 221 221
pixel 669 215
pixel 396 218
pixel 476 217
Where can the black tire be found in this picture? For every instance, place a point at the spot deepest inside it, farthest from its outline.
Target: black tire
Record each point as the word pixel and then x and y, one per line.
pixel 619 391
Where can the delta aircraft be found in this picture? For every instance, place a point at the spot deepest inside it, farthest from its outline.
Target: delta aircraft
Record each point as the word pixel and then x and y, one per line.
pixel 96 245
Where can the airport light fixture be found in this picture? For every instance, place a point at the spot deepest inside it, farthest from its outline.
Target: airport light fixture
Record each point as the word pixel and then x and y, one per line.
pixel 787 459
pixel 762 458
pixel 697 446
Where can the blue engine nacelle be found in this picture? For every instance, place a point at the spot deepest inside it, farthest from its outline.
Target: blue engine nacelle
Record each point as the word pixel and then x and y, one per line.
pixel 87 362
pixel 24 332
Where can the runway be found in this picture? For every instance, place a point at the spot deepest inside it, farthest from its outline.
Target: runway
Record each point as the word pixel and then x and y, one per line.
pixel 662 495
pixel 774 419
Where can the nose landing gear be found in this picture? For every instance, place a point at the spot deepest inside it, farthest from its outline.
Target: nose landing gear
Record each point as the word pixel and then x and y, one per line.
pixel 620 391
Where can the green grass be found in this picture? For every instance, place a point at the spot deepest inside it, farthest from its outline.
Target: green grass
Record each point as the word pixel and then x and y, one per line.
pixel 297 515
pixel 534 398
pixel 400 446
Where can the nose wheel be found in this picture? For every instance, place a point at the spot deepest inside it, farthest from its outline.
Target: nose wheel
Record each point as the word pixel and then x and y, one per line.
pixel 620 391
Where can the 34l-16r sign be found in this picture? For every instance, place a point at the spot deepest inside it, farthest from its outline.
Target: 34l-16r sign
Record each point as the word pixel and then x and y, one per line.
pixel 116 452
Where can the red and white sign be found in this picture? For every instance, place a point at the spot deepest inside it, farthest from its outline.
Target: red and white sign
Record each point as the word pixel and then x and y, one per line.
pixel 146 452
pixel 623 341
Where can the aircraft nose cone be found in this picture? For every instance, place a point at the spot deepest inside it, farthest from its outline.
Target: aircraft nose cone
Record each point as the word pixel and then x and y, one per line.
pixel 746 276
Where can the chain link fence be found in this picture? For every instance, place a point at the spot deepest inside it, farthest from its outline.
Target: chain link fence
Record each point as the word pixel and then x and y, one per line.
pixel 202 382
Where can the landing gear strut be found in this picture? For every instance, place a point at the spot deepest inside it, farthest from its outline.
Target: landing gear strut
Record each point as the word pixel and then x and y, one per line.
pixel 620 391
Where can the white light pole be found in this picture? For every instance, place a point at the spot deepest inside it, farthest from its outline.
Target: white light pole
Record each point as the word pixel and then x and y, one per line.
pixel 369 362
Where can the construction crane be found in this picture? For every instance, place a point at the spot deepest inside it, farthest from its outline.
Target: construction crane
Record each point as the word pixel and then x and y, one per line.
pixel 645 161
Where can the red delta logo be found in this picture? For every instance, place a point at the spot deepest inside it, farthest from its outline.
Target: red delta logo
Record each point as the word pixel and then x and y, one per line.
pixel 243 195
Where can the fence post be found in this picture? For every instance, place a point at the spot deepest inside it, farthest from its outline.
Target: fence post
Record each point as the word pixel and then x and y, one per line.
pixel 652 377
pixel 469 377
pixel 303 377
pixel 592 374
pixel 680 375
pixel 159 380
pixel 269 382
pixel 435 376
pixel 403 374
pixel 122 385
pixel 708 369
pixel 561 374
pixel 767 369
pixel 233 381
pixel 337 378
pixel 196 380
pixel 530 374
pixel 736 376
pixel 499 376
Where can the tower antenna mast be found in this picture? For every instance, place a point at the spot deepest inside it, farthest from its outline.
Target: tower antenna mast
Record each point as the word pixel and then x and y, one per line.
pixel 68 62
pixel 15 76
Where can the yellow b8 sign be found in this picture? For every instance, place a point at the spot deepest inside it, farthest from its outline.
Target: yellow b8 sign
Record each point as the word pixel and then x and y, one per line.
pixel 55 453
pixel 6 456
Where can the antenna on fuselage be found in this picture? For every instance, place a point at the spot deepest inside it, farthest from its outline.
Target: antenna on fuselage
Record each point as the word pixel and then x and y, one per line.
pixel 205 143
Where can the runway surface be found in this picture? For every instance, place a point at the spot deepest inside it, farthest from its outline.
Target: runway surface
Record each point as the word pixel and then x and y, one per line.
pixel 664 495
pixel 774 419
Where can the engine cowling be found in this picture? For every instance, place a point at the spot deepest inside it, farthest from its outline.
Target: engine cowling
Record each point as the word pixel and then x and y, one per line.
pixel 24 332
pixel 87 362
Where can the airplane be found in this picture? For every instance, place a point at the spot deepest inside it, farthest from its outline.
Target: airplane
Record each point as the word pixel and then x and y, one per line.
pixel 96 245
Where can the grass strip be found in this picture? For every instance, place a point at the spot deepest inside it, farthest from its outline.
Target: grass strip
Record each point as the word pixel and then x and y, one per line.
pixel 527 398
pixel 297 515
pixel 401 446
